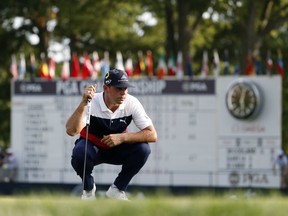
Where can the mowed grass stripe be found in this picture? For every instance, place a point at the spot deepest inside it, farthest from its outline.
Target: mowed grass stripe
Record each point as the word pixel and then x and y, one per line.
pixel 196 205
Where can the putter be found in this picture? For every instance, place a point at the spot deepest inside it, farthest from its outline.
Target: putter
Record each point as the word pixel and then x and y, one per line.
pixel 86 141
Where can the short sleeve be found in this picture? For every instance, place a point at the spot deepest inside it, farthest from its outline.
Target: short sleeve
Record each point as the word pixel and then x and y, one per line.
pixel 139 116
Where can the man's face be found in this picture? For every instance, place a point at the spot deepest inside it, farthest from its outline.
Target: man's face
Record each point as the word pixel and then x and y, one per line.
pixel 116 95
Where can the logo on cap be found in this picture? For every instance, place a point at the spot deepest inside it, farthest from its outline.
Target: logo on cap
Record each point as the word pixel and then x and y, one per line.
pixel 117 78
pixel 123 78
pixel 107 81
pixel 107 75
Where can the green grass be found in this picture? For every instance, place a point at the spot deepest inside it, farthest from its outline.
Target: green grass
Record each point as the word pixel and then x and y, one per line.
pixel 160 205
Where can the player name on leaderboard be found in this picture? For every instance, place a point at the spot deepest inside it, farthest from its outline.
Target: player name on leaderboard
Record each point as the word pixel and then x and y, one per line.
pixel 200 143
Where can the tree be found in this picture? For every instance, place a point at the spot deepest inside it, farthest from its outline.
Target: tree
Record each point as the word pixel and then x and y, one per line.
pixel 189 19
pixel 89 25
pixel 241 25
pixel 249 23
pixel 106 25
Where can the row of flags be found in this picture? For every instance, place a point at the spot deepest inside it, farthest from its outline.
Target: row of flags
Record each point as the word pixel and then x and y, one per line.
pixel 254 65
pixel 92 67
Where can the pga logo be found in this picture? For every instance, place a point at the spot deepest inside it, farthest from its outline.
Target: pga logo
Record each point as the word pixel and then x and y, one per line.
pixel 236 178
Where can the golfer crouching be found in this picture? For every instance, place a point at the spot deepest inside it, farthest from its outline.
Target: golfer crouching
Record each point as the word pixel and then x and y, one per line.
pixel 108 141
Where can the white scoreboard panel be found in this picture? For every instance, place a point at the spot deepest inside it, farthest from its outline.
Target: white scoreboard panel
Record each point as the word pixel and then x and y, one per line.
pixel 246 148
pixel 199 142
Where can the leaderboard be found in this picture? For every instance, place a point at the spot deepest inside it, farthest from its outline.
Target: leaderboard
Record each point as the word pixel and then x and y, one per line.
pixel 193 147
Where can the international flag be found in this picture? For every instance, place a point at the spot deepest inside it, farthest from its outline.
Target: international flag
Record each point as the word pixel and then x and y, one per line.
pixel 189 67
pixel 216 63
pixel 236 69
pixel 258 65
pixel 87 67
pixel 205 66
pixel 96 65
pixel 269 63
pixel 280 64
pixel 32 66
pixel 140 65
pixel 22 67
pixel 52 68
pixel 249 70
pixel 13 67
pixel 75 65
pixel 149 63
pixel 161 68
pixel 171 66
pixel 44 71
pixel 129 66
pixel 65 73
pixel 179 67
pixel 226 69
pixel 119 61
pixel 105 65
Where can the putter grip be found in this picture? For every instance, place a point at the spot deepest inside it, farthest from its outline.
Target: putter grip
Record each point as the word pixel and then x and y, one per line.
pixel 88 113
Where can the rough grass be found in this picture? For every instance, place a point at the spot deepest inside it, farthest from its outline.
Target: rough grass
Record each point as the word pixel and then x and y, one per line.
pixel 229 204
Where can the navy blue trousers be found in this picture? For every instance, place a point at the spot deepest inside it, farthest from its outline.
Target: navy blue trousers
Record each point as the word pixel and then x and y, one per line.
pixel 132 157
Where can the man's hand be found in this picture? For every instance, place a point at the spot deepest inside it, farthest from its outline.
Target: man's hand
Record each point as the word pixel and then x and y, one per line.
pixel 89 92
pixel 113 140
